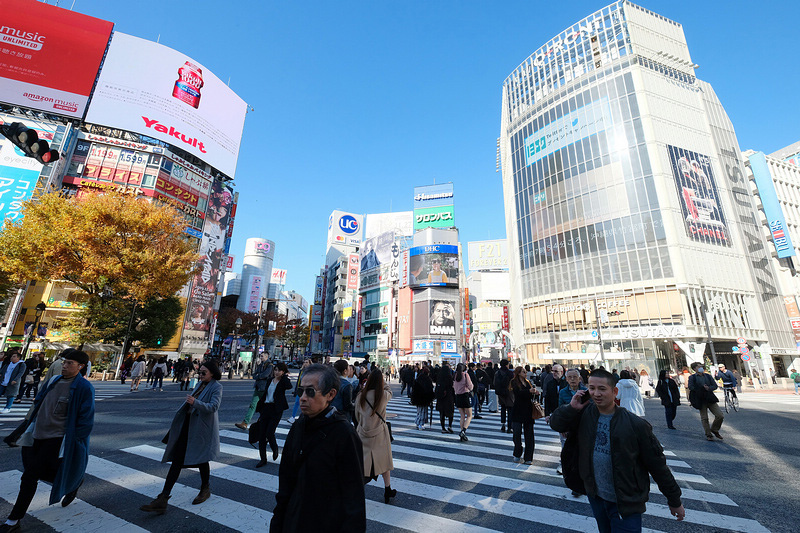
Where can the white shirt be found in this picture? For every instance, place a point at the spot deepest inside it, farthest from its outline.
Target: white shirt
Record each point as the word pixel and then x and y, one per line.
pixel 9 371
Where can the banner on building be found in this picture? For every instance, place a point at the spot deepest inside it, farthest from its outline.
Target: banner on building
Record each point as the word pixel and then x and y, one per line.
pixel 278 276
pixel 772 207
pixel 352 272
pixel 254 293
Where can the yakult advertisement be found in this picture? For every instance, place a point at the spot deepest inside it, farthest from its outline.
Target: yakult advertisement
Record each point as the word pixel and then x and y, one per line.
pixel 49 56
pixel 159 92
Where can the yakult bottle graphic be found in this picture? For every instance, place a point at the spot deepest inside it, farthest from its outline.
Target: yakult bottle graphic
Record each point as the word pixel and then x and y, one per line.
pixel 188 85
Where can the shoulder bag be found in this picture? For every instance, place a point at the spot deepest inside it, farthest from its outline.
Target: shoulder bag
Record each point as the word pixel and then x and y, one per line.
pixel 388 424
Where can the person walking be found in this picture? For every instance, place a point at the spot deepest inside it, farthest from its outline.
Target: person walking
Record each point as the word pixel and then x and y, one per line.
pixel 522 416
pixel 628 393
pixel 185 373
pixel 702 397
pixel 462 389
pixel 137 371
pixel 374 432
pixel 422 396
pixel 11 375
pixel 271 407
pixel 343 401
pixel 667 390
pixel 56 450
pixel 645 383
pixel 193 437
pixel 262 377
pixel 795 377
pixel 445 397
pixel 502 380
pixel 296 408
pixel 322 455
pixel 552 386
pixel 575 383
pixel 159 371
pixel 35 366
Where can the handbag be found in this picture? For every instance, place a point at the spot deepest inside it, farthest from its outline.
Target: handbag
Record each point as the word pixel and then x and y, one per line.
pixel 388 424
pixel 538 411
pixel 29 379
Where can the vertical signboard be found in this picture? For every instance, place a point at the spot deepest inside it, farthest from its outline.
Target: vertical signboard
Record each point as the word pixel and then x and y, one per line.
pixel 404 298
pixel 698 196
pixel 772 207
pixel 352 272
pixel 254 293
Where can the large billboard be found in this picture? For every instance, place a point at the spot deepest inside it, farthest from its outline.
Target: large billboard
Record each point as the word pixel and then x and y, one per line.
pixel 50 56
pixel 159 92
pixel 400 223
pixel 488 255
pixel 433 195
pixel 433 266
pixel 698 196
pixel 442 317
pixel 278 276
pixel 434 217
pixel 345 228
pixel 772 207
pixel 377 251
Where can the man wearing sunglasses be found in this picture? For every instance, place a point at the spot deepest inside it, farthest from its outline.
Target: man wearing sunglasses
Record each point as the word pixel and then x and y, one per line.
pixel 322 455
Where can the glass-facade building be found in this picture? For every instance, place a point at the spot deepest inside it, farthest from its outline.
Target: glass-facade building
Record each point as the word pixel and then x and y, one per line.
pixel 624 213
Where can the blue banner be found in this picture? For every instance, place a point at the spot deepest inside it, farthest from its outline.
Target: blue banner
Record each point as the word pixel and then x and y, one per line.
pixel 772 207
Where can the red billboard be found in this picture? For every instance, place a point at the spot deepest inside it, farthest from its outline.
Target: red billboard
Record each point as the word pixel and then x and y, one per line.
pixel 49 56
pixel 404 297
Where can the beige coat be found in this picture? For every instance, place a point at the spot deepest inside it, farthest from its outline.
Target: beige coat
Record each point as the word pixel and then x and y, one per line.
pixel 374 434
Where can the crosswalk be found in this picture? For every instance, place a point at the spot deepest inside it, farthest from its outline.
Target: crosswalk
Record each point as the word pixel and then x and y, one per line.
pixel 443 485
pixel 102 391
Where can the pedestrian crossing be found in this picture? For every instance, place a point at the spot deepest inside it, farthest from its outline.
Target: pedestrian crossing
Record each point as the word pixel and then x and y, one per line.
pixel 443 485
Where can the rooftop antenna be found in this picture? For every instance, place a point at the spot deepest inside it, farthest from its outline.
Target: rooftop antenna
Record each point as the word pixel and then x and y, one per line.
pixel 158 39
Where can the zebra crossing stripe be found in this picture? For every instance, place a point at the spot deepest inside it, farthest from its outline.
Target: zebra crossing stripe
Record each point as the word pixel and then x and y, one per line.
pixel 376 511
pixel 229 513
pixel 79 516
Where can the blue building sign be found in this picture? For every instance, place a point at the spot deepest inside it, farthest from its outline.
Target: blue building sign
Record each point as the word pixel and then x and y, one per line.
pixel 772 208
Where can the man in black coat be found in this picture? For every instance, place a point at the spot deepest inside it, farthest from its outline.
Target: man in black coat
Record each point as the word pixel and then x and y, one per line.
pixel 551 388
pixel 322 456
pixel 702 397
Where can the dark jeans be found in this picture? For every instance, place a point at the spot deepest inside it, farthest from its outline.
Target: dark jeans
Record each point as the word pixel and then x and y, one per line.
pixel 503 412
pixel 608 519
pixel 26 388
pixel 158 382
pixel 270 419
pixel 526 429
pixel 41 462
pixel 671 411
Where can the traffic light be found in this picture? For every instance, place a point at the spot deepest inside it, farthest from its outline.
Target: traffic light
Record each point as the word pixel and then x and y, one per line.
pixel 158 340
pixel 27 140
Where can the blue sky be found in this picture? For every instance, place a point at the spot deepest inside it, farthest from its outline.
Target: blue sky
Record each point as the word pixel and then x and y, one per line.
pixel 358 102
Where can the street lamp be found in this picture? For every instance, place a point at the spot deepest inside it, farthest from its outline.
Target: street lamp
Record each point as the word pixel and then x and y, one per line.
pixel 40 308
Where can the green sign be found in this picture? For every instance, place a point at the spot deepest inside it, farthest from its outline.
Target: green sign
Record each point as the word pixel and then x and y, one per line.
pixel 245 357
pixel 434 217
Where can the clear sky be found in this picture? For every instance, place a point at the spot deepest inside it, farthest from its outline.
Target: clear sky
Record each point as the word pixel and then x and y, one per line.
pixel 357 102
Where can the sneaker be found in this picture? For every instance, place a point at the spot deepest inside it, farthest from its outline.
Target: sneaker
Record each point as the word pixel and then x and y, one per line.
pixel 517 459
pixel 528 462
pixel 291 420
pixel 5 410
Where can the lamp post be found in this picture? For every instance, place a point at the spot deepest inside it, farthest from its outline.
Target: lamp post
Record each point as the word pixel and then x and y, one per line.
pixel 40 308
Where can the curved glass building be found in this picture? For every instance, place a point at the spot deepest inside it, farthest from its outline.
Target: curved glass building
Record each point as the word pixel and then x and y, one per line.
pixel 628 215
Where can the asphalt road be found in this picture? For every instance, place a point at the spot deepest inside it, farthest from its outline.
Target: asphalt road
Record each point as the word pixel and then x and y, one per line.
pixel 749 482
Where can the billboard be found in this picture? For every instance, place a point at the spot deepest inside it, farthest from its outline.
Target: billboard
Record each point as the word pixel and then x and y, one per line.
pixel 50 56
pixel 433 266
pixel 19 174
pixel 377 251
pixel 254 294
pixel 488 255
pixel 159 92
pixel 698 196
pixel 401 223
pixel 442 317
pixel 433 196
pixel 278 276
pixel 772 207
pixel 345 228
pixel 434 217
pixel 352 272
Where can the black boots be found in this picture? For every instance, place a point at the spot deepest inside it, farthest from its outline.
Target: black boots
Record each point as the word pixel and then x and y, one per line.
pixel 388 492
pixel 463 435
pixel 205 493
pixel 159 505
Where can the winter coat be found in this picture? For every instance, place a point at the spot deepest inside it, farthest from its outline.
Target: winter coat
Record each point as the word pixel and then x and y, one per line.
pixel 644 383
pixel 422 394
pixel 138 369
pixel 502 379
pixel 279 403
pixel 661 390
pixel 80 421
pixel 523 402
pixel 203 443
pixel 17 376
pixel 54 369
pixel 698 395
pixel 636 455
pixel 262 374
pixel 551 390
pixel 374 433
pixel 629 396
pixel 565 395
pixel 445 396
pixel 321 478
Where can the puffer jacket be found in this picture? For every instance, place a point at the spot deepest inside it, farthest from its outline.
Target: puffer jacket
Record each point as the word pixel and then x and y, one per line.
pixel 636 454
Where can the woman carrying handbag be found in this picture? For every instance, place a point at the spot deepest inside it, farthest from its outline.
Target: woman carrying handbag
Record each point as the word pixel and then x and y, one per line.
pixel 522 416
pixel 271 406
pixel 462 387
pixel 374 432
pixel 193 437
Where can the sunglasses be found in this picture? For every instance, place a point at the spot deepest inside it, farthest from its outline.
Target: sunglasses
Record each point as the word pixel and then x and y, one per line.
pixel 202 373
pixel 308 391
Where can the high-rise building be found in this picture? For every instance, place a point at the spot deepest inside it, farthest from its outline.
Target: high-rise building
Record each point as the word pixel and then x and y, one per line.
pixel 633 234
pixel 259 254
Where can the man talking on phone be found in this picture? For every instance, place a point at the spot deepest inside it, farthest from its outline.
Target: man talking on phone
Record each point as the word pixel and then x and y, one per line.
pixel 616 454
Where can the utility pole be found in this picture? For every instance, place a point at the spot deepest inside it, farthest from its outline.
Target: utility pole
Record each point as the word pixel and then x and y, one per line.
pixel 599 333
pixel 704 309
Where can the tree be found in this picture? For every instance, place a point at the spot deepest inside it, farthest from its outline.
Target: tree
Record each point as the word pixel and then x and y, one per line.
pixel 226 323
pixel 296 335
pixel 101 240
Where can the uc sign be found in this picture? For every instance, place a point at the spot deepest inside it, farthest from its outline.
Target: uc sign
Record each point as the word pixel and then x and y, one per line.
pixel 348 224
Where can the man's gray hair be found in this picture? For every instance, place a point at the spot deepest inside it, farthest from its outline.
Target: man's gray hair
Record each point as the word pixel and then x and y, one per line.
pixel 572 370
pixel 328 377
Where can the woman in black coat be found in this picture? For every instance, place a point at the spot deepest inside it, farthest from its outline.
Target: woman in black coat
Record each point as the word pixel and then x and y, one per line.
pixel 422 396
pixel 445 397
pixel 271 406
pixel 522 415
pixel 667 390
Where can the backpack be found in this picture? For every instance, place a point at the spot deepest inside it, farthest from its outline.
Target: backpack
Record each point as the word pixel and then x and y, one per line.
pixel 501 381
pixel 158 372
pixel 797 377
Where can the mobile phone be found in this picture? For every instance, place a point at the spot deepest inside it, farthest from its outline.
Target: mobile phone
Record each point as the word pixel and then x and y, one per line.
pixel 584 397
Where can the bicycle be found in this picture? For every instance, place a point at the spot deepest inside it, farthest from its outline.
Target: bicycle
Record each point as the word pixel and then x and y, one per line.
pixel 731 399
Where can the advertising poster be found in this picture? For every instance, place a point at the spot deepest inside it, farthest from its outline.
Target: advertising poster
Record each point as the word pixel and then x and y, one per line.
pixel 698 196
pixel 442 318
pixel 433 266
pixel 352 272
pixel 377 251
pixel 50 56
pixel 159 92
pixel 278 276
pixel 345 228
pixel 434 217
pixel 254 293
pixel 772 206
pixel 433 195
pixel 488 255
pixel 202 295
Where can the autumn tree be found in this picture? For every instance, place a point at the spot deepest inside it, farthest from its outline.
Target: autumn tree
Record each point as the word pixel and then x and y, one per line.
pixel 295 335
pixel 226 323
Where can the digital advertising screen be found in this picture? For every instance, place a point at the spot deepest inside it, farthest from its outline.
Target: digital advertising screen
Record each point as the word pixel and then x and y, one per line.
pixel 50 56
pixel 442 317
pixel 154 90
pixel 433 266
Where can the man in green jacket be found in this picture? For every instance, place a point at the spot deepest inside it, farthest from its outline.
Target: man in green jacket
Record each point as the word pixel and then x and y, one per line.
pixel 616 454
pixel 795 377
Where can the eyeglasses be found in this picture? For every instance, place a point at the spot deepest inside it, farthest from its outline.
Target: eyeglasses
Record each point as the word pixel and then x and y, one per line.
pixel 308 391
